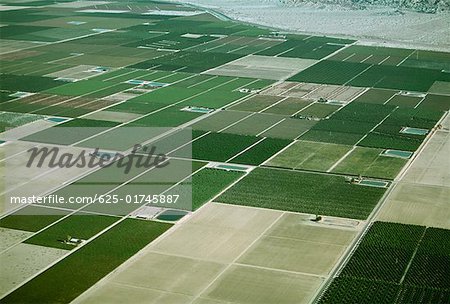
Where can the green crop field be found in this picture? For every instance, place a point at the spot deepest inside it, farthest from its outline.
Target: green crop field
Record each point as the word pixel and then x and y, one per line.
pixel 303 192
pixel 318 110
pixel 191 62
pixel 330 72
pixel 203 186
pixel 256 103
pixel 395 263
pixel 332 137
pixel 290 106
pixel 219 120
pixel 27 83
pixel 289 128
pixel 256 155
pixel 217 146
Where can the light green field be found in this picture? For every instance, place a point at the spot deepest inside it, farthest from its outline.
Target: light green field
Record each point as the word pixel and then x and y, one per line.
pixel 310 156
pixel 289 106
pixel 369 162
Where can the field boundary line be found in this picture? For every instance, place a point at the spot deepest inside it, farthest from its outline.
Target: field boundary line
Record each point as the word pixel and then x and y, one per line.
pixel 250 114
pixel 279 152
pixel 413 256
pixel 344 260
pixel 124 217
pixel 211 283
pixel 246 149
pixel 341 159
pixel 280 270
pixel 283 98
pixel 203 81
pixel 406 58
pixel 271 127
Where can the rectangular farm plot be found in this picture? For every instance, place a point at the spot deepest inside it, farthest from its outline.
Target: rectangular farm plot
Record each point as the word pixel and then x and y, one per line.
pixel 83 268
pixel 169 117
pixel 219 120
pixel 370 162
pixel 70 132
pixel 262 151
pixel 254 124
pixel 214 99
pixel 398 262
pixel 256 103
pixel 217 146
pixel 390 141
pixel 436 102
pixel 296 288
pixel 80 226
pixel 210 229
pixel 23 261
pixel 398 77
pixel 191 62
pixel 379 96
pixel 290 128
pixel 330 72
pixel 318 110
pixel 310 156
pixel 264 67
pixel 305 247
pixel 79 88
pixel 303 192
pixel 288 106
pixel 32 218
pixel 405 101
pixel 27 83
pixel 184 275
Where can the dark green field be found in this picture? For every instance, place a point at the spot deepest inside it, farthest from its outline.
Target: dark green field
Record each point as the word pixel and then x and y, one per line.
pixel 303 192
pixel 395 263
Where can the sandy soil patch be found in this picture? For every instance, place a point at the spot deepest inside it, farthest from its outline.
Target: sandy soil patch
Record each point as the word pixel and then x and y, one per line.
pixel 23 261
pixel 265 67
pixel 9 237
